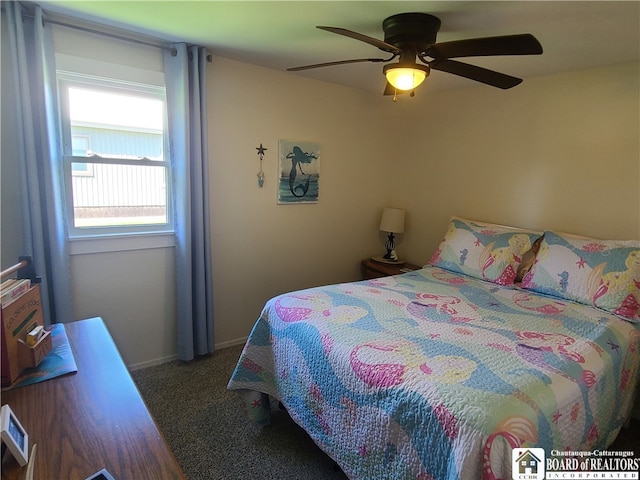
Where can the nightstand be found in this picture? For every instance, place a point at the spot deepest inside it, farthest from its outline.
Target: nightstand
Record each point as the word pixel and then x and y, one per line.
pixel 372 269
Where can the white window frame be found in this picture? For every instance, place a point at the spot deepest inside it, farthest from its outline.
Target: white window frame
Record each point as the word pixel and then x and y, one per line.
pixel 72 79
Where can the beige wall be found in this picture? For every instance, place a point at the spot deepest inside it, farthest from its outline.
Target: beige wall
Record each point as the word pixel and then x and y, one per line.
pixel 558 152
pixel 261 249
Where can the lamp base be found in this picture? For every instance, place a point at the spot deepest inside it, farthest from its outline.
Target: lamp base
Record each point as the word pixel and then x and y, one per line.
pixel 387 260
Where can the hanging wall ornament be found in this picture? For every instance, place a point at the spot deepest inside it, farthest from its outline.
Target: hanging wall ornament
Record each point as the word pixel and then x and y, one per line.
pixel 261 151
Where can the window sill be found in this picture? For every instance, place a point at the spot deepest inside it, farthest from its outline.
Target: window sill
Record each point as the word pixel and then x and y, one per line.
pixel 120 243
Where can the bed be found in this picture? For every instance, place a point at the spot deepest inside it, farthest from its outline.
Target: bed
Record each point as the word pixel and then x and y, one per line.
pixel 508 338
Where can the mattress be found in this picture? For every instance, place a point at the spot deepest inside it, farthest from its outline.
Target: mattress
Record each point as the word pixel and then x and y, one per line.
pixel 435 374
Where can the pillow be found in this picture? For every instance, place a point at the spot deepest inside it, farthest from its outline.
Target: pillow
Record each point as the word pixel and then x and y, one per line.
pixel 483 250
pixel 602 273
pixel 527 260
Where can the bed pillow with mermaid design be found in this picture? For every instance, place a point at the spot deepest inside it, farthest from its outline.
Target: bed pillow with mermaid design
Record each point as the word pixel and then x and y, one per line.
pixel 602 273
pixel 484 250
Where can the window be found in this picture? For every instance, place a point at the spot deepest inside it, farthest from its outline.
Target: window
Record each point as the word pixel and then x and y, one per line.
pixel 116 167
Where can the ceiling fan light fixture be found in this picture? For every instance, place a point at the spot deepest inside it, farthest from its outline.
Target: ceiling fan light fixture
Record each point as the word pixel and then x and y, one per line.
pixel 405 77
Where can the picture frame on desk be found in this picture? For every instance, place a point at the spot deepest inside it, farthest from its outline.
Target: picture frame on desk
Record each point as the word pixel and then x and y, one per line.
pixel 14 436
pixel 101 475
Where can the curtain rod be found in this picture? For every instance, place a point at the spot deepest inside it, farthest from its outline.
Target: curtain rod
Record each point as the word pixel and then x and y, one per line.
pixel 173 51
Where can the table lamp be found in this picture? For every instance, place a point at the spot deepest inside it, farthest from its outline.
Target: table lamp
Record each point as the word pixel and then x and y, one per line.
pixel 392 222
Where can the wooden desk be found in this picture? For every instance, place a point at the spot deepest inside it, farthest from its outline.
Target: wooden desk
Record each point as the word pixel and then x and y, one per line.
pixel 92 419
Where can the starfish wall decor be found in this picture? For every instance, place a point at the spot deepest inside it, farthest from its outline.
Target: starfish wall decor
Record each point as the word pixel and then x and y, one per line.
pixel 261 151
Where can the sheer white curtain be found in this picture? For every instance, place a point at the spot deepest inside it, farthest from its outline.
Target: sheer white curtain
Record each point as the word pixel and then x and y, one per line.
pixel 185 78
pixel 33 68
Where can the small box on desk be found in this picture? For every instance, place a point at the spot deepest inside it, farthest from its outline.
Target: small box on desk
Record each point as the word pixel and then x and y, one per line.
pixel 30 356
pixel 19 317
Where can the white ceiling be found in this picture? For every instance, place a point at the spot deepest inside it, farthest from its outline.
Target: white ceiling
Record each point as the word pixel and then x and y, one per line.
pixel 574 34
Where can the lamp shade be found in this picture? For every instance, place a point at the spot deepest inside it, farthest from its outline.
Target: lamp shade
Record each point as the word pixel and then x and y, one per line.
pixel 405 77
pixel 392 220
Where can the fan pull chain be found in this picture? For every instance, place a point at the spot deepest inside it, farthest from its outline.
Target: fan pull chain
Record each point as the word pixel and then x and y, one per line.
pixel 395 94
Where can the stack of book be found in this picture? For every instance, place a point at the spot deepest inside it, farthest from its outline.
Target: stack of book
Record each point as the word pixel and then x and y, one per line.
pixel 12 288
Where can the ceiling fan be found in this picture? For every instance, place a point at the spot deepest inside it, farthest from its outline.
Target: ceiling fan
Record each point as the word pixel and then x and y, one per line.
pixel 412 37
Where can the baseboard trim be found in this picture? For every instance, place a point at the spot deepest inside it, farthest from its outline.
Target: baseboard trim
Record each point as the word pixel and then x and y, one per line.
pixel 152 363
pixel 171 358
pixel 231 343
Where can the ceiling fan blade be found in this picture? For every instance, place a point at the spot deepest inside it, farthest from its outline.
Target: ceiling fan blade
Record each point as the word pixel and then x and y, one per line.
pixel 339 62
pixel 386 47
pixel 523 44
pixel 479 74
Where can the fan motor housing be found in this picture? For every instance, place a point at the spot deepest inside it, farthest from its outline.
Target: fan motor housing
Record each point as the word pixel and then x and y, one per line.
pixel 415 29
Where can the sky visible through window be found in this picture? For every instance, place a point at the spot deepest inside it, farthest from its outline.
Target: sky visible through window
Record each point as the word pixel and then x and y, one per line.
pixel 115 109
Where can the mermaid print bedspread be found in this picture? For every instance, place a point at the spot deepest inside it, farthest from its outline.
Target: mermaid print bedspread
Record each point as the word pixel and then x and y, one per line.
pixel 436 375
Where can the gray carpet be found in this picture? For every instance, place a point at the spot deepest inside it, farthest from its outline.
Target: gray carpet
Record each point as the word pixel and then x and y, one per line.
pixel 212 437
pixel 210 434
